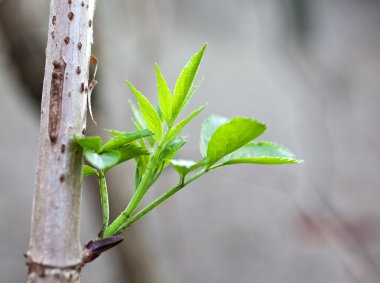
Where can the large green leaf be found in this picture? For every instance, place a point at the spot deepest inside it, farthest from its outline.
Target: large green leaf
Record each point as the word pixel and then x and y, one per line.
pixel 102 161
pixel 208 128
pixel 232 136
pixel 185 81
pixel 130 151
pixel 123 138
pixel 165 99
pixel 149 113
pixel 90 142
pixel 261 153
pixel 176 130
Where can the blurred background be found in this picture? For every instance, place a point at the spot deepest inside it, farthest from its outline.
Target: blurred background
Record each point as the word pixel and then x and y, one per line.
pixel 308 68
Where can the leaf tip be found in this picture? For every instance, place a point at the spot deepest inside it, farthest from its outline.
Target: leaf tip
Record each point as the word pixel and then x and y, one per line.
pixel 202 50
pixel 204 46
pixel 130 85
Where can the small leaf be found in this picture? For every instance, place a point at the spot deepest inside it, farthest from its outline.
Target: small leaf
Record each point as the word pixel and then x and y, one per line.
pixel 140 170
pixel 190 93
pixel 150 139
pixel 123 138
pixel 261 153
pixel 130 151
pixel 149 113
pixel 102 161
pixel 176 130
pixel 165 99
pixel 208 128
pixel 171 150
pixel 184 167
pixel 159 113
pixel 89 142
pixel 87 170
pixel 232 136
pixel 139 120
pixel 141 163
pixel 185 81
pixel 114 132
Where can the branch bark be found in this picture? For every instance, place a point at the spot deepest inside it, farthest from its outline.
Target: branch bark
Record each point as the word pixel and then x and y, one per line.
pixel 55 253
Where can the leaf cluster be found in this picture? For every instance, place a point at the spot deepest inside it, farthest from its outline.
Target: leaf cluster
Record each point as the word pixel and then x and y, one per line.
pixel 157 139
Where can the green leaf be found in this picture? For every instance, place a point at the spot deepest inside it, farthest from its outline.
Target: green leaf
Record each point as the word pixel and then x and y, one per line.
pixel 176 130
pixel 102 161
pixel 184 167
pixel 139 120
pixel 165 99
pixel 261 153
pixel 149 113
pixel 130 151
pixel 87 170
pixel 140 170
pixel 185 81
pixel 89 142
pixel 141 164
pixel 150 139
pixel 159 113
pixel 171 149
pixel 114 132
pixel 123 138
pixel 208 128
pixel 232 136
pixel 190 93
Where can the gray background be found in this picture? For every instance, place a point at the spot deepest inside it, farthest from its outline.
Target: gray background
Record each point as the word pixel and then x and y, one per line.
pixel 309 69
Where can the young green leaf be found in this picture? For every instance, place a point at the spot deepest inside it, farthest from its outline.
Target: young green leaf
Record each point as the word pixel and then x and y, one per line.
pixel 87 170
pixel 149 113
pixel 171 149
pixel 176 130
pixel 159 113
pixel 141 164
pixel 150 139
pixel 261 153
pixel 130 151
pixel 190 93
pixel 165 99
pixel 185 81
pixel 90 142
pixel 140 170
pixel 138 118
pixel 102 161
pixel 184 167
pixel 123 138
pixel 208 128
pixel 232 136
pixel 114 132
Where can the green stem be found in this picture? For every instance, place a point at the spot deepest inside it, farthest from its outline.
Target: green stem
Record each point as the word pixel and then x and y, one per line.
pixel 139 193
pixel 156 202
pixel 104 200
pixel 136 197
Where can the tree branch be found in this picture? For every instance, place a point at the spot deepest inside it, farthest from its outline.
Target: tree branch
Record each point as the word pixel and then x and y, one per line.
pixel 55 253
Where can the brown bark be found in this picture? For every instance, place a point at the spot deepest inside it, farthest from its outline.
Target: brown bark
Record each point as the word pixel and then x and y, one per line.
pixel 55 253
